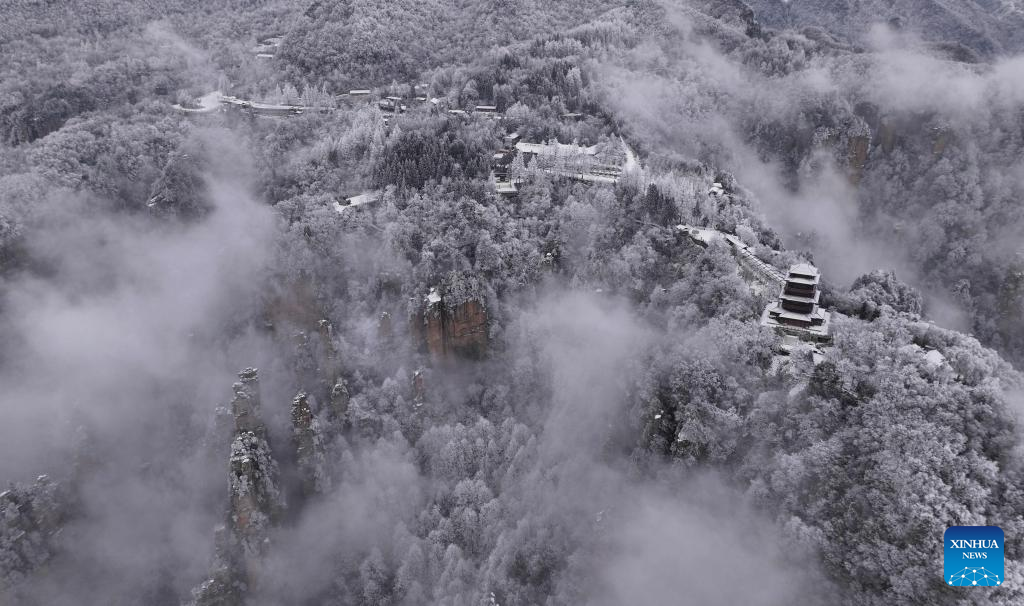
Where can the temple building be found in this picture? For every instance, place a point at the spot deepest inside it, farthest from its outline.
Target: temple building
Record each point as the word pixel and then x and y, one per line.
pixel 797 312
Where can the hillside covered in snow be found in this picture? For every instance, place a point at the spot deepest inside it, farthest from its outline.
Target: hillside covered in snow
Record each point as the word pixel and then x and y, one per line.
pixel 350 302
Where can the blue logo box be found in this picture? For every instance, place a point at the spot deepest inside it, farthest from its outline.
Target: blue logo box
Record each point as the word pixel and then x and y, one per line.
pixel 973 556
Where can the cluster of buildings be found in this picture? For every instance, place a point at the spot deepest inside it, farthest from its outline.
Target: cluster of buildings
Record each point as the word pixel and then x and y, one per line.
pixel 395 104
pixel 568 160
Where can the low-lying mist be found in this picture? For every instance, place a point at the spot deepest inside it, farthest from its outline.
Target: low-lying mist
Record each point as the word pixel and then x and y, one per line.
pixel 115 353
pixel 857 158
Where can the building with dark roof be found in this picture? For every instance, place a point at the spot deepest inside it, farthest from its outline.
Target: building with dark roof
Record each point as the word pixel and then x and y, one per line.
pixel 796 312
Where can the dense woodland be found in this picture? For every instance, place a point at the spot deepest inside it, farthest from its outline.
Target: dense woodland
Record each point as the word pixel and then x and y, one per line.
pixel 619 428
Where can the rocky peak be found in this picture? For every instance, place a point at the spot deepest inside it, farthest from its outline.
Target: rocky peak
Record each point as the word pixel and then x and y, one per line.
pixel 307 437
pixel 339 402
pixel 255 499
pixel 245 406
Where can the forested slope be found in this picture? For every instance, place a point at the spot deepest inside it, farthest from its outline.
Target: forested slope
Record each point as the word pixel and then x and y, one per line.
pixel 452 396
pixel 969 28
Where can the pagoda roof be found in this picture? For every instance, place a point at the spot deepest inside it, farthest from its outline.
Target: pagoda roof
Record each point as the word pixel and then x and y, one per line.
pixel 804 270
pixel 800 298
pixel 816 323
pixel 794 315
pixel 802 280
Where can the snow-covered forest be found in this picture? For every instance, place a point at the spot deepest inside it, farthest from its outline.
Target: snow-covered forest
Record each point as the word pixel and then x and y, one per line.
pixel 460 302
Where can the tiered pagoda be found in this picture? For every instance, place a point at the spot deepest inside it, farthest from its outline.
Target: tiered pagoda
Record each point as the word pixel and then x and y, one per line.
pixel 796 312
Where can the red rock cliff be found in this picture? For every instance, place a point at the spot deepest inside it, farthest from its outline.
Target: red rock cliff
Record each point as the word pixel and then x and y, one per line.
pixel 447 330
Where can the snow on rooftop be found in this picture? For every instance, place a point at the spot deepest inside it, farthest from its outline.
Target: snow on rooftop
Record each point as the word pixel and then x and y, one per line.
pixel 267 44
pixel 797 316
pixel 274 106
pixel 362 199
pixel 804 269
pixel 587 177
pixel 208 103
pixel 933 358
pixel 555 148
pixel 368 197
pixel 704 236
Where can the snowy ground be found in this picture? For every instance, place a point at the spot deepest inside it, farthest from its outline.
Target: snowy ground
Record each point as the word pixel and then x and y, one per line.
pixel 766 272
pixel 208 103
pixel 362 199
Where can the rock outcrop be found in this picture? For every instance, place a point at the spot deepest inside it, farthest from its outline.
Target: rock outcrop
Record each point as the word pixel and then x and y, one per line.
pixel 30 518
pixel 308 440
pixel 245 406
pixel 338 409
pixel 857 155
pixel 447 329
pixel 224 587
pixel 255 497
pixel 255 502
pixel 330 365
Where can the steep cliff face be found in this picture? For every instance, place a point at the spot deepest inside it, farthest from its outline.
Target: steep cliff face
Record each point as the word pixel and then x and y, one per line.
pixel 245 406
pixel 308 440
pixel 338 403
pixel 448 330
pixel 255 502
pixel 255 496
pixel 857 155
pixel 330 364
pixel 466 330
